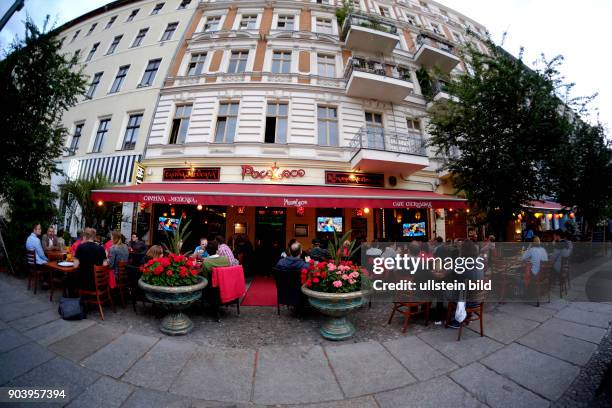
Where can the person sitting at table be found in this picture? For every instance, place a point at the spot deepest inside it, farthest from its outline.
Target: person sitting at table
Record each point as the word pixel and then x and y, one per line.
pixel 213 260
pixel 49 240
pixel 200 250
pixel 108 243
pixel 317 253
pixel 225 250
pixel 33 244
pixel 76 243
pixel 156 251
pixel 118 252
pixel 87 255
pixel 535 255
pixel 293 262
pixel 60 238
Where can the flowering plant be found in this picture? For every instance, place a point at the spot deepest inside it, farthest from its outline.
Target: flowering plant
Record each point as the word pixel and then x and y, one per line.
pixel 339 274
pixel 170 270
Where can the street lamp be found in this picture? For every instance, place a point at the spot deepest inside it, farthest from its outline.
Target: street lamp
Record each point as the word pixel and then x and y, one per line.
pixel 17 6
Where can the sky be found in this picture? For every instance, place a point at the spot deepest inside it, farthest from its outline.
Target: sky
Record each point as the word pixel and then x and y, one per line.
pixel 578 30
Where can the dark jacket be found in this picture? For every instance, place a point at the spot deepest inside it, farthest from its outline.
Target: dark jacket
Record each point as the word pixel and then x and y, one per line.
pixel 291 263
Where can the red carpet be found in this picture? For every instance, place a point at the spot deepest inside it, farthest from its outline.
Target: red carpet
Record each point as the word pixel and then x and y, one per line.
pixel 262 292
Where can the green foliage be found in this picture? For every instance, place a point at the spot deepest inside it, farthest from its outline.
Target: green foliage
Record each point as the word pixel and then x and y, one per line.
pixel 176 239
pixel 425 83
pixel 37 85
pixel 78 196
pixel 506 122
pixel 170 270
pixel 343 12
pixel 342 247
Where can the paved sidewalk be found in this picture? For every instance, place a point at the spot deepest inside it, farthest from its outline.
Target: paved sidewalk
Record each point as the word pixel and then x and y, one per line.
pixel 529 358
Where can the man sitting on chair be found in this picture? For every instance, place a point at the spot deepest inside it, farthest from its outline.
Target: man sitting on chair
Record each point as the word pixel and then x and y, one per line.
pixel 87 255
pixel 293 262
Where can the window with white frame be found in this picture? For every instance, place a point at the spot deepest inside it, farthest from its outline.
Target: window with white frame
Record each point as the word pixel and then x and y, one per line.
pixel 101 135
pixel 414 125
pixel 324 25
pixel 110 22
pixel 157 8
pixel 131 132
pixel 74 37
pixel 139 37
pixel 457 37
pixel 196 65
pixel 76 138
pixel 248 22
pixel 170 29
pixel 374 130
pixel 285 22
pixel 212 23
pixel 356 4
pixel 281 62
pixel 327 125
pixel 94 85
pixel 277 115
pixel 149 75
pixel 384 11
pixel 411 19
pixel 238 62
pixel 184 4
pixel 424 5
pixel 93 50
pixel 114 44
pixel 227 120
pixel 326 65
pixel 118 82
pixel 180 124
pixel 436 28
pixel 91 29
pixel 132 15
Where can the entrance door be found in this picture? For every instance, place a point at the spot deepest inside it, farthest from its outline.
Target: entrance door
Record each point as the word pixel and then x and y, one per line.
pixel 270 230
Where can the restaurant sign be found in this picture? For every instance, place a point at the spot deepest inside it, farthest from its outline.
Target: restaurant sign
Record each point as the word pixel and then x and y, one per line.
pixel 139 173
pixel 355 179
pixel 273 173
pixel 192 174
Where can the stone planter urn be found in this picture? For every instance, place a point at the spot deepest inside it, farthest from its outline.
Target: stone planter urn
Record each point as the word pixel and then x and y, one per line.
pixel 337 306
pixel 174 299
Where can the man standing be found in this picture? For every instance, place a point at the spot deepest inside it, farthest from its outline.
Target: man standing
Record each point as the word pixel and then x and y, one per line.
pixel 87 255
pixel 49 240
pixel 33 244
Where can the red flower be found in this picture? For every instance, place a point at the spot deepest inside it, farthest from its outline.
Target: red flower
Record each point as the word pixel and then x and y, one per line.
pixel 169 273
pixel 194 272
pixel 315 280
pixel 182 269
pixel 183 274
pixel 165 262
pixel 158 270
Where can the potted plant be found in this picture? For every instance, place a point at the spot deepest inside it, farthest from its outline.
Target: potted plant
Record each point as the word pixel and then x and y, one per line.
pixel 336 287
pixel 174 283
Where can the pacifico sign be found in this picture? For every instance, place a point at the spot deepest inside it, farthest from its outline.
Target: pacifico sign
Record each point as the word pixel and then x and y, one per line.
pixel 273 173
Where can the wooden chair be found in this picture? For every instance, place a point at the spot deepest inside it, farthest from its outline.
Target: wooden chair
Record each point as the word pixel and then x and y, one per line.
pixel 101 293
pixel 474 308
pixel 408 308
pixel 503 279
pixel 35 272
pixel 288 289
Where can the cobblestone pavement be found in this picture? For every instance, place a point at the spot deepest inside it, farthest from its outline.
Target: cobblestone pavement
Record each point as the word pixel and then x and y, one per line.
pixel 530 357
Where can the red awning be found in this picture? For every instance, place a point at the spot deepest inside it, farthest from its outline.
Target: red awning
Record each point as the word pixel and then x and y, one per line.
pixel 276 195
pixel 545 205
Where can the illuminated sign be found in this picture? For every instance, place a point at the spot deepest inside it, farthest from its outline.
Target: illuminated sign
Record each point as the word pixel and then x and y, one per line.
pixel 192 174
pixel 273 173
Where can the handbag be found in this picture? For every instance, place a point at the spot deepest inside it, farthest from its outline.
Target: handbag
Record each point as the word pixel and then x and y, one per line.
pixel 71 309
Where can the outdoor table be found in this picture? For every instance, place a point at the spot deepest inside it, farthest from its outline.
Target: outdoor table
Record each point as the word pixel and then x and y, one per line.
pixel 55 255
pixel 63 269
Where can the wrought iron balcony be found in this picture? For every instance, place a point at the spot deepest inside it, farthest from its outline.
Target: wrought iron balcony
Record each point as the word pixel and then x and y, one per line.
pixel 362 32
pixel 375 80
pixel 434 52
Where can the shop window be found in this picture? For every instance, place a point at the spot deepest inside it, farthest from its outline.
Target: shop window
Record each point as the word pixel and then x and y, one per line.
pixel 180 124
pixel 276 122
pixel 226 122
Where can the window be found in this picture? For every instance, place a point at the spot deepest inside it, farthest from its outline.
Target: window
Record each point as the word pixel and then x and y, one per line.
pixel 149 74
pixel 157 8
pixel 374 130
pixel 276 122
pixel 414 125
pixel 248 22
pixel 131 132
pixel 424 5
pixel 436 28
pixel 238 61
pixel 114 44
pixel 121 74
pixel 169 31
pixel 92 52
pixel 411 19
pixel 444 13
pixel 139 37
pixel 457 37
pixel 196 65
pixel 74 37
pixel 356 4
pixel 94 85
pixel 281 62
pixel 110 22
pixel 324 25
pixel 76 138
pixel 100 135
pixel 132 15
pixel 327 122
pixel 384 11
pixel 91 29
pixel 326 65
pixel 77 53
pixel 226 122
pixel 285 22
pixel 184 4
pixel 180 124
pixel 212 23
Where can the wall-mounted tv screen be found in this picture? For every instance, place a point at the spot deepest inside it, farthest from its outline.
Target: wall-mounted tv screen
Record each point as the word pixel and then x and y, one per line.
pixel 168 224
pixel 413 229
pixel 329 224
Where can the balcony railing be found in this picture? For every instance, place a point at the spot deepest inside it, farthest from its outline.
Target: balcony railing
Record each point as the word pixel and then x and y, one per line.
pixel 366 21
pixel 388 141
pixel 423 39
pixel 377 68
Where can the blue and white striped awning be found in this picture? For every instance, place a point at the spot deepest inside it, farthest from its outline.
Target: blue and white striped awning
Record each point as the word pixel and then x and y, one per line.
pixel 118 169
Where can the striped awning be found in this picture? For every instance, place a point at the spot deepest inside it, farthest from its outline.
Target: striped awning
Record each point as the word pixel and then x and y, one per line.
pixel 118 169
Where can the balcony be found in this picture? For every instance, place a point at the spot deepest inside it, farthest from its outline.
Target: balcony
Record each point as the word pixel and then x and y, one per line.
pixel 433 52
pixel 367 34
pixel 374 80
pixel 381 150
pixel 438 91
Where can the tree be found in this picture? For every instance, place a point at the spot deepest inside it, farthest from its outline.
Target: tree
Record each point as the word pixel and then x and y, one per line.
pixel 505 121
pixel 37 85
pixel 79 206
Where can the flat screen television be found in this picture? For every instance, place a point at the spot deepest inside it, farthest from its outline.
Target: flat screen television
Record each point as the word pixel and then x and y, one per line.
pixel 329 224
pixel 413 229
pixel 168 224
